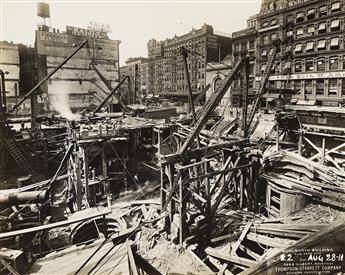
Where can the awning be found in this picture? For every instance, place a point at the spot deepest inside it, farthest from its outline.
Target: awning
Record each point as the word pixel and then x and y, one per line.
pixel 264 53
pixel 263 67
pixel 335 23
pixel 335 42
pixel 298 48
pixel 311 29
pixel 300 31
pixel 271 51
pixel 311 12
pixel 274 22
pixel 323 9
pixel 306 102
pixel 321 44
pixel 322 26
pixel 335 6
pixel 270 99
pixel 300 15
pixel 293 101
pixel 310 46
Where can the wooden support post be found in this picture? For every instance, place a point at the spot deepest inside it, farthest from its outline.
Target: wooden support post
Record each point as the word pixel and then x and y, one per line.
pixel 181 210
pixel 171 183
pixel 78 183
pixel 300 143
pixel 323 155
pixel 163 187
pixel 104 165
pixel 277 137
pixel 242 186
pixel 86 176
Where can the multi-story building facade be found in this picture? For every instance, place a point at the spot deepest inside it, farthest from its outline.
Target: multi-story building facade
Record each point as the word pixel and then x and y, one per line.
pixel 205 46
pixel 311 62
pixel 244 45
pixel 76 85
pixel 18 64
pixel 155 66
pixel 166 69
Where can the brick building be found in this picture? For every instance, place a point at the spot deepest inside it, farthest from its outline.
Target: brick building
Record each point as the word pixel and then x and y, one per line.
pixel 155 67
pixel 312 58
pixel 17 61
pixel 166 70
pixel 76 85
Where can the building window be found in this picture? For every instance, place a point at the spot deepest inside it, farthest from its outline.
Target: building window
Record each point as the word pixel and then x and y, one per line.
pixel 274 36
pixel 343 87
pixel 298 48
pixel 289 33
pixel 321 45
pixel 252 44
pixel 263 68
pixel 217 83
pixel 320 87
pixel 334 43
pixel 308 86
pixel 311 14
pixel 298 86
pixel 300 17
pixel 333 87
pixel 335 7
pixel 321 64
pixel 299 32
pixel 311 30
pixel 335 25
pixel 322 27
pixel 334 63
pixel 309 65
pixel 298 67
pixel 323 11
pixel 310 46
pixel 265 24
pixel 264 53
pixel 274 22
pixel 266 39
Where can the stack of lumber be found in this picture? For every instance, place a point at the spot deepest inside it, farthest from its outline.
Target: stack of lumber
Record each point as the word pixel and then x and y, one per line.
pixel 289 170
pixel 259 239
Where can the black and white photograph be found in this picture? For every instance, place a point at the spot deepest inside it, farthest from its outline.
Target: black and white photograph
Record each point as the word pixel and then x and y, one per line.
pixel 172 137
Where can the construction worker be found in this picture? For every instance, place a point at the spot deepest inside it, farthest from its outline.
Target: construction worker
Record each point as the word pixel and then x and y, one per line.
pixel 70 197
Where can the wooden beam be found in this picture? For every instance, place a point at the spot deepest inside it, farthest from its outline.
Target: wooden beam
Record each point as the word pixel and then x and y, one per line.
pixel 241 238
pixel 232 259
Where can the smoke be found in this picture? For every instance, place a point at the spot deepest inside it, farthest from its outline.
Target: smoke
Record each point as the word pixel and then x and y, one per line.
pixel 59 101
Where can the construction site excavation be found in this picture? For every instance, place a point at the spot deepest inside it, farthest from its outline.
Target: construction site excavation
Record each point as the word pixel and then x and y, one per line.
pixel 215 153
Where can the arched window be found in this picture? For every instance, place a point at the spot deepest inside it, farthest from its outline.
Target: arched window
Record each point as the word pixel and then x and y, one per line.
pixel 217 82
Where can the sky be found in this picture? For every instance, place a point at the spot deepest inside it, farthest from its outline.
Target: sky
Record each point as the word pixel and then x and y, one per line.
pixel 132 22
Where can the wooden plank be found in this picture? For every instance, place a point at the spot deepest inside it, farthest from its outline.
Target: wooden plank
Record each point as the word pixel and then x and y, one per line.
pixel 241 238
pixel 224 237
pixel 8 267
pixel 145 265
pixel 232 259
pixel 131 262
pixel 50 226
pixel 198 261
pixel 272 242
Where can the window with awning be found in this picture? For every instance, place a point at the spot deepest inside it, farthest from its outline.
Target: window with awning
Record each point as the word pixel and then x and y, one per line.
pixel 335 24
pixel 311 13
pixel 311 29
pixel 322 27
pixel 335 42
pixel 300 16
pixel 264 53
pixel 298 48
pixel 300 32
pixel 309 46
pixel 335 7
pixel 321 45
pixel 263 67
pixel 323 10
pixel 274 22
pixel 289 33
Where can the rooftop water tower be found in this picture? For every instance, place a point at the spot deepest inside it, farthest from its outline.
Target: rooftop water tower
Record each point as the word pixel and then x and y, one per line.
pixel 43 11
